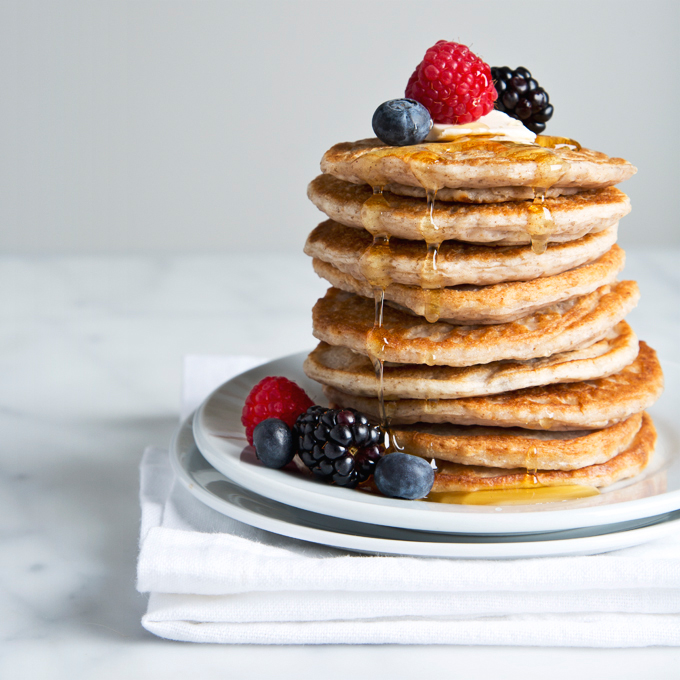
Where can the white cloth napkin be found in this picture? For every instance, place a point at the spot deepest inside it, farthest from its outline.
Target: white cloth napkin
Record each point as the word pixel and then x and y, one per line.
pixel 213 579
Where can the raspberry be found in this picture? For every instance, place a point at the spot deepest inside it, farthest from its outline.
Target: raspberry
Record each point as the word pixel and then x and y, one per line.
pixel 453 84
pixel 273 397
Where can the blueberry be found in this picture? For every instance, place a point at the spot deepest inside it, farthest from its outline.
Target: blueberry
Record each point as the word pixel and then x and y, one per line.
pixel 401 475
pixel 274 443
pixel 400 122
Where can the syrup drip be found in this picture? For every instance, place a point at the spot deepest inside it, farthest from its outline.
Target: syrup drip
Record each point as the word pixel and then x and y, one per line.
pixel 540 223
pixel 430 276
pixel 375 266
pixel 531 464
pixel 520 496
pixel 375 263
pixel 422 159
pixel 376 342
pixel 549 142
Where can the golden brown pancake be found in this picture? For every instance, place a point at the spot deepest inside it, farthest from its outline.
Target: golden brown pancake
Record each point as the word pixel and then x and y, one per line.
pixel 353 373
pixel 451 477
pixel 588 404
pixel 514 447
pixel 457 263
pixel 346 319
pixel 472 163
pixel 496 224
pixel 498 303
pixel 483 195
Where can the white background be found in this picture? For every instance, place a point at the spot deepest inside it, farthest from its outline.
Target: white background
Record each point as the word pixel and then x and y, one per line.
pixel 164 129
pixel 145 126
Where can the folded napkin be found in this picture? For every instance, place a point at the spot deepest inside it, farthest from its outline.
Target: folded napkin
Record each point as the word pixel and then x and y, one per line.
pixel 213 579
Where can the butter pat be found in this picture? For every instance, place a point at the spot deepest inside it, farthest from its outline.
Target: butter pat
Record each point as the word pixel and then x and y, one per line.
pixel 498 124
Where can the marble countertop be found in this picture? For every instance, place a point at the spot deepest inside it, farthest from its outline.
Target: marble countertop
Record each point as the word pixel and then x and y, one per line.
pixel 90 366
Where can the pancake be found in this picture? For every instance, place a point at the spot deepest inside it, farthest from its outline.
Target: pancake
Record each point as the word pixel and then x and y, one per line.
pixel 353 373
pixel 498 303
pixel 457 263
pixel 488 195
pixel 452 477
pixel 345 319
pixel 500 223
pixel 515 447
pixel 587 404
pixel 473 163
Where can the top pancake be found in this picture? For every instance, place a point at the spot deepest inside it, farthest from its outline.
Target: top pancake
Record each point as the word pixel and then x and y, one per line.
pixel 496 224
pixel 473 163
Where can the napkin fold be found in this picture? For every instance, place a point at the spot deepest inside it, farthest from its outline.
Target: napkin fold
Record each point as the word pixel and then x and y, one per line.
pixel 213 579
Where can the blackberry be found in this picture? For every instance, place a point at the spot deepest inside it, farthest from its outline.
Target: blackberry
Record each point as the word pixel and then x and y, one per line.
pixel 339 445
pixel 521 97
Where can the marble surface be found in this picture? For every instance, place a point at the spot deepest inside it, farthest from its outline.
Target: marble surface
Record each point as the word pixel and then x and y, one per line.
pixel 90 366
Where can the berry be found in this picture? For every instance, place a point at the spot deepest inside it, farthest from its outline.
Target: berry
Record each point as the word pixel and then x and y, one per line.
pixel 273 397
pixel 400 122
pixel 521 97
pixel 454 84
pixel 274 442
pixel 401 475
pixel 339 445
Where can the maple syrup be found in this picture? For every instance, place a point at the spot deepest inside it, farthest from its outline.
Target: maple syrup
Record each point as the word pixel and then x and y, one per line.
pixel 531 465
pixel 372 210
pixel 422 161
pixel 551 142
pixel 375 265
pixel 533 494
pixel 540 223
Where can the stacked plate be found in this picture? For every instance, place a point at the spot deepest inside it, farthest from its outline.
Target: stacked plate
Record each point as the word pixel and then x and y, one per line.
pixel 214 462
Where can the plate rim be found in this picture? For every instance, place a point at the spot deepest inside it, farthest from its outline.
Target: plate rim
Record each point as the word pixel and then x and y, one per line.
pixel 588 545
pixel 400 513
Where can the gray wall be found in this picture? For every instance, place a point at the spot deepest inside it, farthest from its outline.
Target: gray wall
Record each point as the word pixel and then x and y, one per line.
pixel 195 126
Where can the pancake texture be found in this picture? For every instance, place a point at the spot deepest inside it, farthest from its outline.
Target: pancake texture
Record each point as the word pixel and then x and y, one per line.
pixel 499 303
pixel 515 447
pixel 588 404
pixel 506 223
pixel 475 311
pixel 346 319
pixel 353 373
pixel 472 163
pixel 457 263
pixel 486 195
pixel 451 477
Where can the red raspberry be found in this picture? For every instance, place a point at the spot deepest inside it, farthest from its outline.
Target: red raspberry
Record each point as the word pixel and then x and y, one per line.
pixel 453 84
pixel 273 397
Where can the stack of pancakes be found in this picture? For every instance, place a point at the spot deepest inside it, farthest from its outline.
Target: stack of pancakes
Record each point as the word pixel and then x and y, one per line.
pixel 476 308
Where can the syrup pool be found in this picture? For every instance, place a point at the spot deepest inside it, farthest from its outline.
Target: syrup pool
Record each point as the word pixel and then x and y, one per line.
pixel 533 495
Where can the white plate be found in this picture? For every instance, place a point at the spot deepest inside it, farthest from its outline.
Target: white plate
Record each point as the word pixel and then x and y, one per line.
pixel 220 438
pixel 220 493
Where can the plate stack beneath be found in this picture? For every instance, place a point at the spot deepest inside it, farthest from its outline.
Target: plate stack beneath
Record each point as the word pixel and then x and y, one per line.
pixel 213 461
